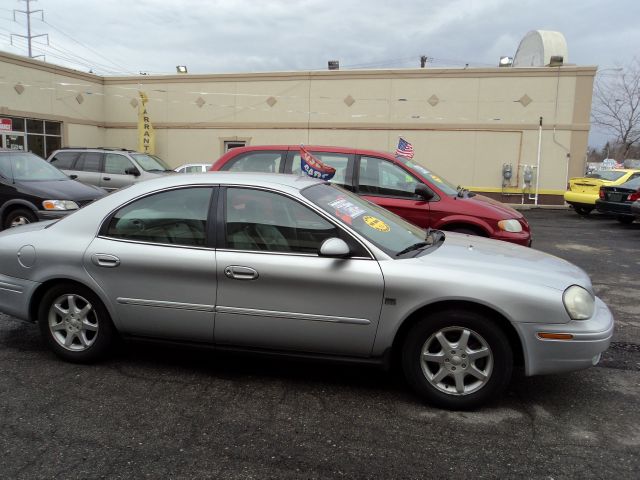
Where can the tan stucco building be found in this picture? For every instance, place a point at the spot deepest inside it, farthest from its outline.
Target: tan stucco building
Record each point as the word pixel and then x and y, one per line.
pixel 465 124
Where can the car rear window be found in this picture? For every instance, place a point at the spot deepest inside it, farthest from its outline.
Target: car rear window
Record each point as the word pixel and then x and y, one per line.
pixel 610 175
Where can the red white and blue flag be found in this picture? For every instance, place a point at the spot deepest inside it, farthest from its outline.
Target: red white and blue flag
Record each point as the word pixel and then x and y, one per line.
pixel 314 167
pixel 405 149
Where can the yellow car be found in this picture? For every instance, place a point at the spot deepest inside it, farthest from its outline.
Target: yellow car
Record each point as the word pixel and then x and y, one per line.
pixel 582 192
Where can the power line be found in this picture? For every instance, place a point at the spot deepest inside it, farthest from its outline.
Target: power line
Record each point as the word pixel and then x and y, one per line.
pixel 28 12
pixel 122 68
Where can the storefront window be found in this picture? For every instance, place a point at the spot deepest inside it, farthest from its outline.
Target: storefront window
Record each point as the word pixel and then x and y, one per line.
pixel 41 137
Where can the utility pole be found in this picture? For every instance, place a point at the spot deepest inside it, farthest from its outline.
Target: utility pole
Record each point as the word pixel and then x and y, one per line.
pixel 28 36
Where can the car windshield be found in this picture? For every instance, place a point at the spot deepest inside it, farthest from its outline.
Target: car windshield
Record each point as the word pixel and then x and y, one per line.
pixel 150 163
pixel 384 229
pixel 444 185
pixel 610 175
pixel 27 167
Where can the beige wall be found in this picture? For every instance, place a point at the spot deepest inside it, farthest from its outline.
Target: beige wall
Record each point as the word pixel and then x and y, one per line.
pixel 463 123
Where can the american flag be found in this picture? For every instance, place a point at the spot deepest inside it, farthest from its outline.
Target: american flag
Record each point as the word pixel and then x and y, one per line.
pixel 405 149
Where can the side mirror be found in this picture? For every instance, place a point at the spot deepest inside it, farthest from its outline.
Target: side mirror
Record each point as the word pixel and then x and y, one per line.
pixel 132 171
pixel 423 191
pixel 334 248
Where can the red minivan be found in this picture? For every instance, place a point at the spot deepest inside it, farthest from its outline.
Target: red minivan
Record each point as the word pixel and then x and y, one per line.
pixel 398 184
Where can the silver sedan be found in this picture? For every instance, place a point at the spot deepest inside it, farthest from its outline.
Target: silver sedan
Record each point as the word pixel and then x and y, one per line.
pixel 277 263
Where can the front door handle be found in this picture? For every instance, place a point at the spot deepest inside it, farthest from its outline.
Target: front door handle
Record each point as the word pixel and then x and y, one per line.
pixel 105 260
pixel 106 178
pixel 238 272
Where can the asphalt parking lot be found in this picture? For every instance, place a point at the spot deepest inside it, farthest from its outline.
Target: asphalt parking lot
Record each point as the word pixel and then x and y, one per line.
pixel 162 412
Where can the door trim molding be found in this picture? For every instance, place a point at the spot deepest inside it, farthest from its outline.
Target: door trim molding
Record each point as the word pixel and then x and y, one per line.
pixel 292 315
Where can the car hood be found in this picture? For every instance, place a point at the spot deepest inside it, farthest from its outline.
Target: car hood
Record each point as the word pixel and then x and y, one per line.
pixel 479 256
pixel 503 211
pixel 62 190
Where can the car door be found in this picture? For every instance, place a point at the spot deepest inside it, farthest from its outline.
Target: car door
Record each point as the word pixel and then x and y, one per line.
pixel 276 292
pixel 115 168
pixel 386 184
pixel 88 168
pixel 153 260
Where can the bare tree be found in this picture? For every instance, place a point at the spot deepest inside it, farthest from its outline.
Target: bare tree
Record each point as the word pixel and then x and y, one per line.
pixel 616 106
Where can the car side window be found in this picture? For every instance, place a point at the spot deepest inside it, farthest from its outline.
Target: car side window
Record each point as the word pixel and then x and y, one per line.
pixel 381 177
pixel 116 164
pixel 194 169
pixel 90 162
pixel 174 217
pixel 64 160
pixel 267 162
pixel 339 161
pixel 267 221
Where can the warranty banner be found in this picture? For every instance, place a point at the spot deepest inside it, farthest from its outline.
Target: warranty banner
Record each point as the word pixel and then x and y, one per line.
pixel 146 134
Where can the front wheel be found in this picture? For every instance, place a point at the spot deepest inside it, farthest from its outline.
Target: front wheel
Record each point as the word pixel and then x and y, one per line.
pixel 75 324
pixel 625 219
pixel 457 359
pixel 19 216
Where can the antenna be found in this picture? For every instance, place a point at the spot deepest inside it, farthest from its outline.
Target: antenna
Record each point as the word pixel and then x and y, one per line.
pixel 28 36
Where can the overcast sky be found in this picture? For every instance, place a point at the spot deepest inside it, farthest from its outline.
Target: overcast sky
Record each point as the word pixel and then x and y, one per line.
pixel 116 37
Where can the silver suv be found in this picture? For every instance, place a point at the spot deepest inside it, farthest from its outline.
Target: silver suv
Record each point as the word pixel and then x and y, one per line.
pixel 109 168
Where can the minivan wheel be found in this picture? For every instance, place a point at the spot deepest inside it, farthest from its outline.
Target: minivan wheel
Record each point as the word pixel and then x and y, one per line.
pixel 19 216
pixel 75 324
pixel 457 359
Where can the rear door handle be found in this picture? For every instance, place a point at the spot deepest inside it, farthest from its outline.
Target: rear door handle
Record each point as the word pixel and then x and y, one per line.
pixel 238 272
pixel 106 178
pixel 105 260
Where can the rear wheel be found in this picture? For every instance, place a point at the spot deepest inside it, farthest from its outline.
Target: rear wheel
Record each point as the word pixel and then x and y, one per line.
pixel 19 216
pixel 624 219
pixel 75 324
pixel 584 211
pixel 457 359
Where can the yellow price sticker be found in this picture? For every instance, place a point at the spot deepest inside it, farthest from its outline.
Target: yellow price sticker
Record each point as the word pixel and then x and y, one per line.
pixel 376 223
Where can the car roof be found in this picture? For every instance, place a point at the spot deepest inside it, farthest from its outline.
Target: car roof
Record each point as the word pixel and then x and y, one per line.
pixel 313 148
pixel 297 182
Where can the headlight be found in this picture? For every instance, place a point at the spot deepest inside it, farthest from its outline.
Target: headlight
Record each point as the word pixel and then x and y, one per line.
pixel 510 226
pixel 59 205
pixel 578 302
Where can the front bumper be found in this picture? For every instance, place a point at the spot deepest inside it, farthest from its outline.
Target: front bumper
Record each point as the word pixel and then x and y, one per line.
pixel 15 294
pixel 53 214
pixel 520 238
pixel 590 338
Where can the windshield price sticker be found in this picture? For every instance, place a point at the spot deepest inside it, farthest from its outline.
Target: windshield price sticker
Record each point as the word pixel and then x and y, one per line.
pixel 345 207
pixel 376 223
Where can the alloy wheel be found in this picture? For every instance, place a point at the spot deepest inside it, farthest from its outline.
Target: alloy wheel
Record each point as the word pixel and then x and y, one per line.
pixel 73 322
pixel 456 361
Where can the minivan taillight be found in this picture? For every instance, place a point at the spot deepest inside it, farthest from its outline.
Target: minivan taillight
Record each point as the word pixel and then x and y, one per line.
pixel 634 196
pixel 601 193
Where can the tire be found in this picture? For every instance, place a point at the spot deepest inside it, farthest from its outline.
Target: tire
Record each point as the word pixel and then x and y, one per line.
pixel 444 373
pixel 625 220
pixel 75 324
pixel 583 211
pixel 19 216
